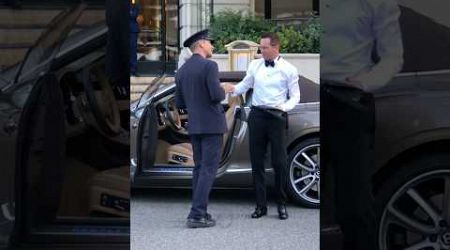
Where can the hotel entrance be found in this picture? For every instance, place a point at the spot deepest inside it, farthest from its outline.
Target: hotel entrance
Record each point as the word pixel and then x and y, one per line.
pixel 158 40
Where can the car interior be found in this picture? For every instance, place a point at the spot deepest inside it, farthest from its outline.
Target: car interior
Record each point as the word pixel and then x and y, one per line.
pixel 173 147
pixel 94 177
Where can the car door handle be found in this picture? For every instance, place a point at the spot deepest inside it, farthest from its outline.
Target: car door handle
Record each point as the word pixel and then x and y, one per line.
pixel 240 136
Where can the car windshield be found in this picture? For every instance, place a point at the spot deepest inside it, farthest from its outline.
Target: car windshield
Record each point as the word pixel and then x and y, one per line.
pixel 39 57
pixel 158 85
pixel 425 35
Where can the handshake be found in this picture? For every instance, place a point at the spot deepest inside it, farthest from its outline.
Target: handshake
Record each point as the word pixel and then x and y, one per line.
pixel 228 87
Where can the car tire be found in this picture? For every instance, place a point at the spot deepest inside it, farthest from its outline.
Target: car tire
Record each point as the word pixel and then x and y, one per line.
pixel 311 197
pixel 417 182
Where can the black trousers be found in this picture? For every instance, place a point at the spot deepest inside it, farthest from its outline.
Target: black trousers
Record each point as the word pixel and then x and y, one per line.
pixel 207 154
pixel 347 118
pixel 266 128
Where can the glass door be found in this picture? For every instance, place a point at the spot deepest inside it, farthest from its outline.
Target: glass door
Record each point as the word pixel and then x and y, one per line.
pixel 158 37
pixel 171 35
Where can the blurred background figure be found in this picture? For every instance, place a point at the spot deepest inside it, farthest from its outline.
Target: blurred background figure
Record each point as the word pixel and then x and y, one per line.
pixel 117 47
pixel 136 19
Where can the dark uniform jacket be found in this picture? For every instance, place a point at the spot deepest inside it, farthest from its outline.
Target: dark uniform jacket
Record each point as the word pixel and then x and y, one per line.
pixel 134 13
pixel 199 91
pixel 118 41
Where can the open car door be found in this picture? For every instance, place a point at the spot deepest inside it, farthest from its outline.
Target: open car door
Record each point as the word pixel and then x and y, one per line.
pixel 40 153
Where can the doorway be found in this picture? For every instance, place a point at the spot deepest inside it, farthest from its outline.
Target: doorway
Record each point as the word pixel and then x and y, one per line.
pixel 158 40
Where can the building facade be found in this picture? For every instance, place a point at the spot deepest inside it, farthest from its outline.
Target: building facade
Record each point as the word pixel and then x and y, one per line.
pixel 169 22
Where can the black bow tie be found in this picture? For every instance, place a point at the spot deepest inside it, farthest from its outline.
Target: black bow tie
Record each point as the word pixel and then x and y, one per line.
pixel 269 63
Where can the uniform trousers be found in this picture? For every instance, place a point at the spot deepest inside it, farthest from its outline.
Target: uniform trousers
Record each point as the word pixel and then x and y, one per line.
pixel 207 154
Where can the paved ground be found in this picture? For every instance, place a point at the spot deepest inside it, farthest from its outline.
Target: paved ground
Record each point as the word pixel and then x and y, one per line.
pixel 158 222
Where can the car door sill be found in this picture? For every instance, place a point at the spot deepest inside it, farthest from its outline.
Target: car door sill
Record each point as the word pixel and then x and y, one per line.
pixel 168 170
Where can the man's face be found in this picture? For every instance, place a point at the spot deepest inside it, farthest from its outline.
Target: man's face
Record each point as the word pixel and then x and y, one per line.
pixel 207 48
pixel 268 51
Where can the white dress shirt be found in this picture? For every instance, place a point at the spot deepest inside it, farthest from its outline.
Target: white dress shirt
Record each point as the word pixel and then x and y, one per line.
pixel 350 28
pixel 271 85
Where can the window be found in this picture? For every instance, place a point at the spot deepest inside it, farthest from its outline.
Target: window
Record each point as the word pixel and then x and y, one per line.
pixel 158 41
pixel 286 9
pixel 150 37
pixel 425 37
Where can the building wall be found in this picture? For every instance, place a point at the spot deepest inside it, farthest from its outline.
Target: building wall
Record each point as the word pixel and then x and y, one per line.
pixel 19 29
pixel 195 14
pixel 242 5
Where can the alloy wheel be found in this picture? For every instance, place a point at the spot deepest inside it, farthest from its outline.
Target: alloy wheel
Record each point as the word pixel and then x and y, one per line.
pixel 304 173
pixel 417 216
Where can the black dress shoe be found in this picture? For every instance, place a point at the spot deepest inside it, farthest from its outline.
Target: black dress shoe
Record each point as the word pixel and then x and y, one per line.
pixel 202 222
pixel 208 216
pixel 282 212
pixel 259 212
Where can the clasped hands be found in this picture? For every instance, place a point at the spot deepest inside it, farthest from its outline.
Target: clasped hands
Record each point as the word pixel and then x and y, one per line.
pixel 228 87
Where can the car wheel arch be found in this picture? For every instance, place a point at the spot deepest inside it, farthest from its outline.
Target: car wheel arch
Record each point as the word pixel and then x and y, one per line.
pixel 408 155
pixel 301 138
pixel 414 175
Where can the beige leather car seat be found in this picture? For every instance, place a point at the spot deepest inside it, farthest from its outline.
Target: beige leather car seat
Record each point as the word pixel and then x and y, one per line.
pixel 182 153
pixel 109 192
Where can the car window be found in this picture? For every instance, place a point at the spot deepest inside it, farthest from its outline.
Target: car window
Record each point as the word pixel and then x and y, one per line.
pixel 425 27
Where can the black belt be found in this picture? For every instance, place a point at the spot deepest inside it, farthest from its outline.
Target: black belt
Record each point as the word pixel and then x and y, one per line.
pixel 274 112
pixel 267 108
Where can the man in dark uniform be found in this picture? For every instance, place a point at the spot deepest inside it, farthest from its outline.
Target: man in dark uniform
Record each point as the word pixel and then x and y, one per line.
pixel 135 18
pixel 199 91
pixel 118 46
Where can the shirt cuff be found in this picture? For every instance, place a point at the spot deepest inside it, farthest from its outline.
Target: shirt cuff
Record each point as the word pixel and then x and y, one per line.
pixel 281 107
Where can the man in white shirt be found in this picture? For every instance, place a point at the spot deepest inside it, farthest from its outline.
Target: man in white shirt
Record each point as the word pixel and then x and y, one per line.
pixel 275 92
pixel 352 31
pixel 361 50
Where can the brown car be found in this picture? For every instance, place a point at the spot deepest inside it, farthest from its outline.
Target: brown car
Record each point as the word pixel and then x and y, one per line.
pixel 161 154
pixel 411 174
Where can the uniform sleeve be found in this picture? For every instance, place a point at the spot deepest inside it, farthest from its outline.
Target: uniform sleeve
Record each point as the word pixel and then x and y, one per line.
pixel 216 92
pixel 179 98
pixel 247 82
pixel 294 91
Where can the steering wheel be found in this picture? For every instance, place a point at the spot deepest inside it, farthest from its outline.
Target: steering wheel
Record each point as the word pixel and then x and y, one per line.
pixel 101 100
pixel 173 116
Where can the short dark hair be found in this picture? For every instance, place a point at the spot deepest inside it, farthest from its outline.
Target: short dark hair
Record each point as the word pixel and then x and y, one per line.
pixel 194 45
pixel 274 38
